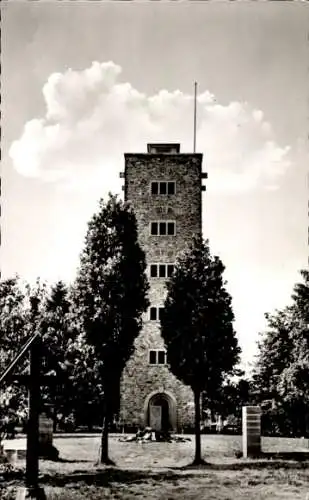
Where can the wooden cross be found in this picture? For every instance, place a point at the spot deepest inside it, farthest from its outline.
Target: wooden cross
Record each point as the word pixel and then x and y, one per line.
pixel 34 380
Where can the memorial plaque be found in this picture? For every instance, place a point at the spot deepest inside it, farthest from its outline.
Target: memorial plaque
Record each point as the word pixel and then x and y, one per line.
pixel 251 431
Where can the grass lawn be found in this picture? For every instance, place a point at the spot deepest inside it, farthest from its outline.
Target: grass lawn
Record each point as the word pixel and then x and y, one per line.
pixel 158 471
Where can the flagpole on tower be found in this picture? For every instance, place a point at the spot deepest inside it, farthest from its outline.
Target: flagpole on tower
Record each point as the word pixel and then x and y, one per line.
pixel 194 123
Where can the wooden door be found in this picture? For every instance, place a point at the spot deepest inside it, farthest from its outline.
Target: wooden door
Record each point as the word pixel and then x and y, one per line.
pixel 155 417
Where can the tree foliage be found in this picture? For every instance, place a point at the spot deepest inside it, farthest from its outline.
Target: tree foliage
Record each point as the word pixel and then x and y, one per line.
pixel 274 351
pixel 281 371
pixel 229 399
pixel 111 295
pixel 25 309
pixel 60 352
pixel 197 325
pixel 17 313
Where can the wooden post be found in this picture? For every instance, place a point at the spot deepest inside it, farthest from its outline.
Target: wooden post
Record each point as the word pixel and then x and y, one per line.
pixel 32 456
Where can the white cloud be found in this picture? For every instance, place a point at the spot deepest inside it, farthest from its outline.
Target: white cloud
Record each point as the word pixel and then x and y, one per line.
pixel 92 118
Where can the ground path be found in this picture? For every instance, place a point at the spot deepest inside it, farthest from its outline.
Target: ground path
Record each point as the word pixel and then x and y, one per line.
pixel 159 471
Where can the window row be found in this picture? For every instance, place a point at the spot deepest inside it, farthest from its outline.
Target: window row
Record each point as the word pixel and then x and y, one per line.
pixel 163 187
pixel 161 270
pixel 157 357
pixel 156 313
pixel 163 228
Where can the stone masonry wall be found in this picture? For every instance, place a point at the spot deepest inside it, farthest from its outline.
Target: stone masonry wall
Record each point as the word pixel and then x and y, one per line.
pixel 140 378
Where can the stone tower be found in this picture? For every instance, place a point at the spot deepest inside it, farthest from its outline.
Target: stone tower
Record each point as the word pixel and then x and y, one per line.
pixel 164 187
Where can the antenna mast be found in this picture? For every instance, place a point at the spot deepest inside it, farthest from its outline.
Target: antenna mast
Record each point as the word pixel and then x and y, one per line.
pixel 194 123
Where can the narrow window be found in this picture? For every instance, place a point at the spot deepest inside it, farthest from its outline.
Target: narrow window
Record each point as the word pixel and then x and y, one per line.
pixel 170 270
pixel 171 188
pixel 162 230
pixel 154 228
pixel 171 228
pixel 153 270
pixel 152 357
pixel 161 309
pixel 162 269
pixel 161 357
pixel 154 188
pixel 163 187
pixel 153 313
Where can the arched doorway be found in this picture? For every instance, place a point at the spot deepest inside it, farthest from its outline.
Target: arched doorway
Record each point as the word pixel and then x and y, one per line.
pixel 160 411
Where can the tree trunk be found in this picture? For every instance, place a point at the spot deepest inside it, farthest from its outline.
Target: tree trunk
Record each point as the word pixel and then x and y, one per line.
pixel 104 441
pixel 303 420
pixel 104 458
pixel 54 423
pixel 197 404
pixel 54 416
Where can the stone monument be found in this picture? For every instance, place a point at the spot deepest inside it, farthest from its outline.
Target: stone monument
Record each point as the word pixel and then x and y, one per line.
pixel 251 431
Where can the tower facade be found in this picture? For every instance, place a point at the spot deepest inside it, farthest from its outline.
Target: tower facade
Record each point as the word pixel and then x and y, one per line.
pixel 164 188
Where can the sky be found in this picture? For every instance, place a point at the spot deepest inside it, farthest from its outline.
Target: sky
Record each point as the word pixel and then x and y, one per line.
pixel 84 83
